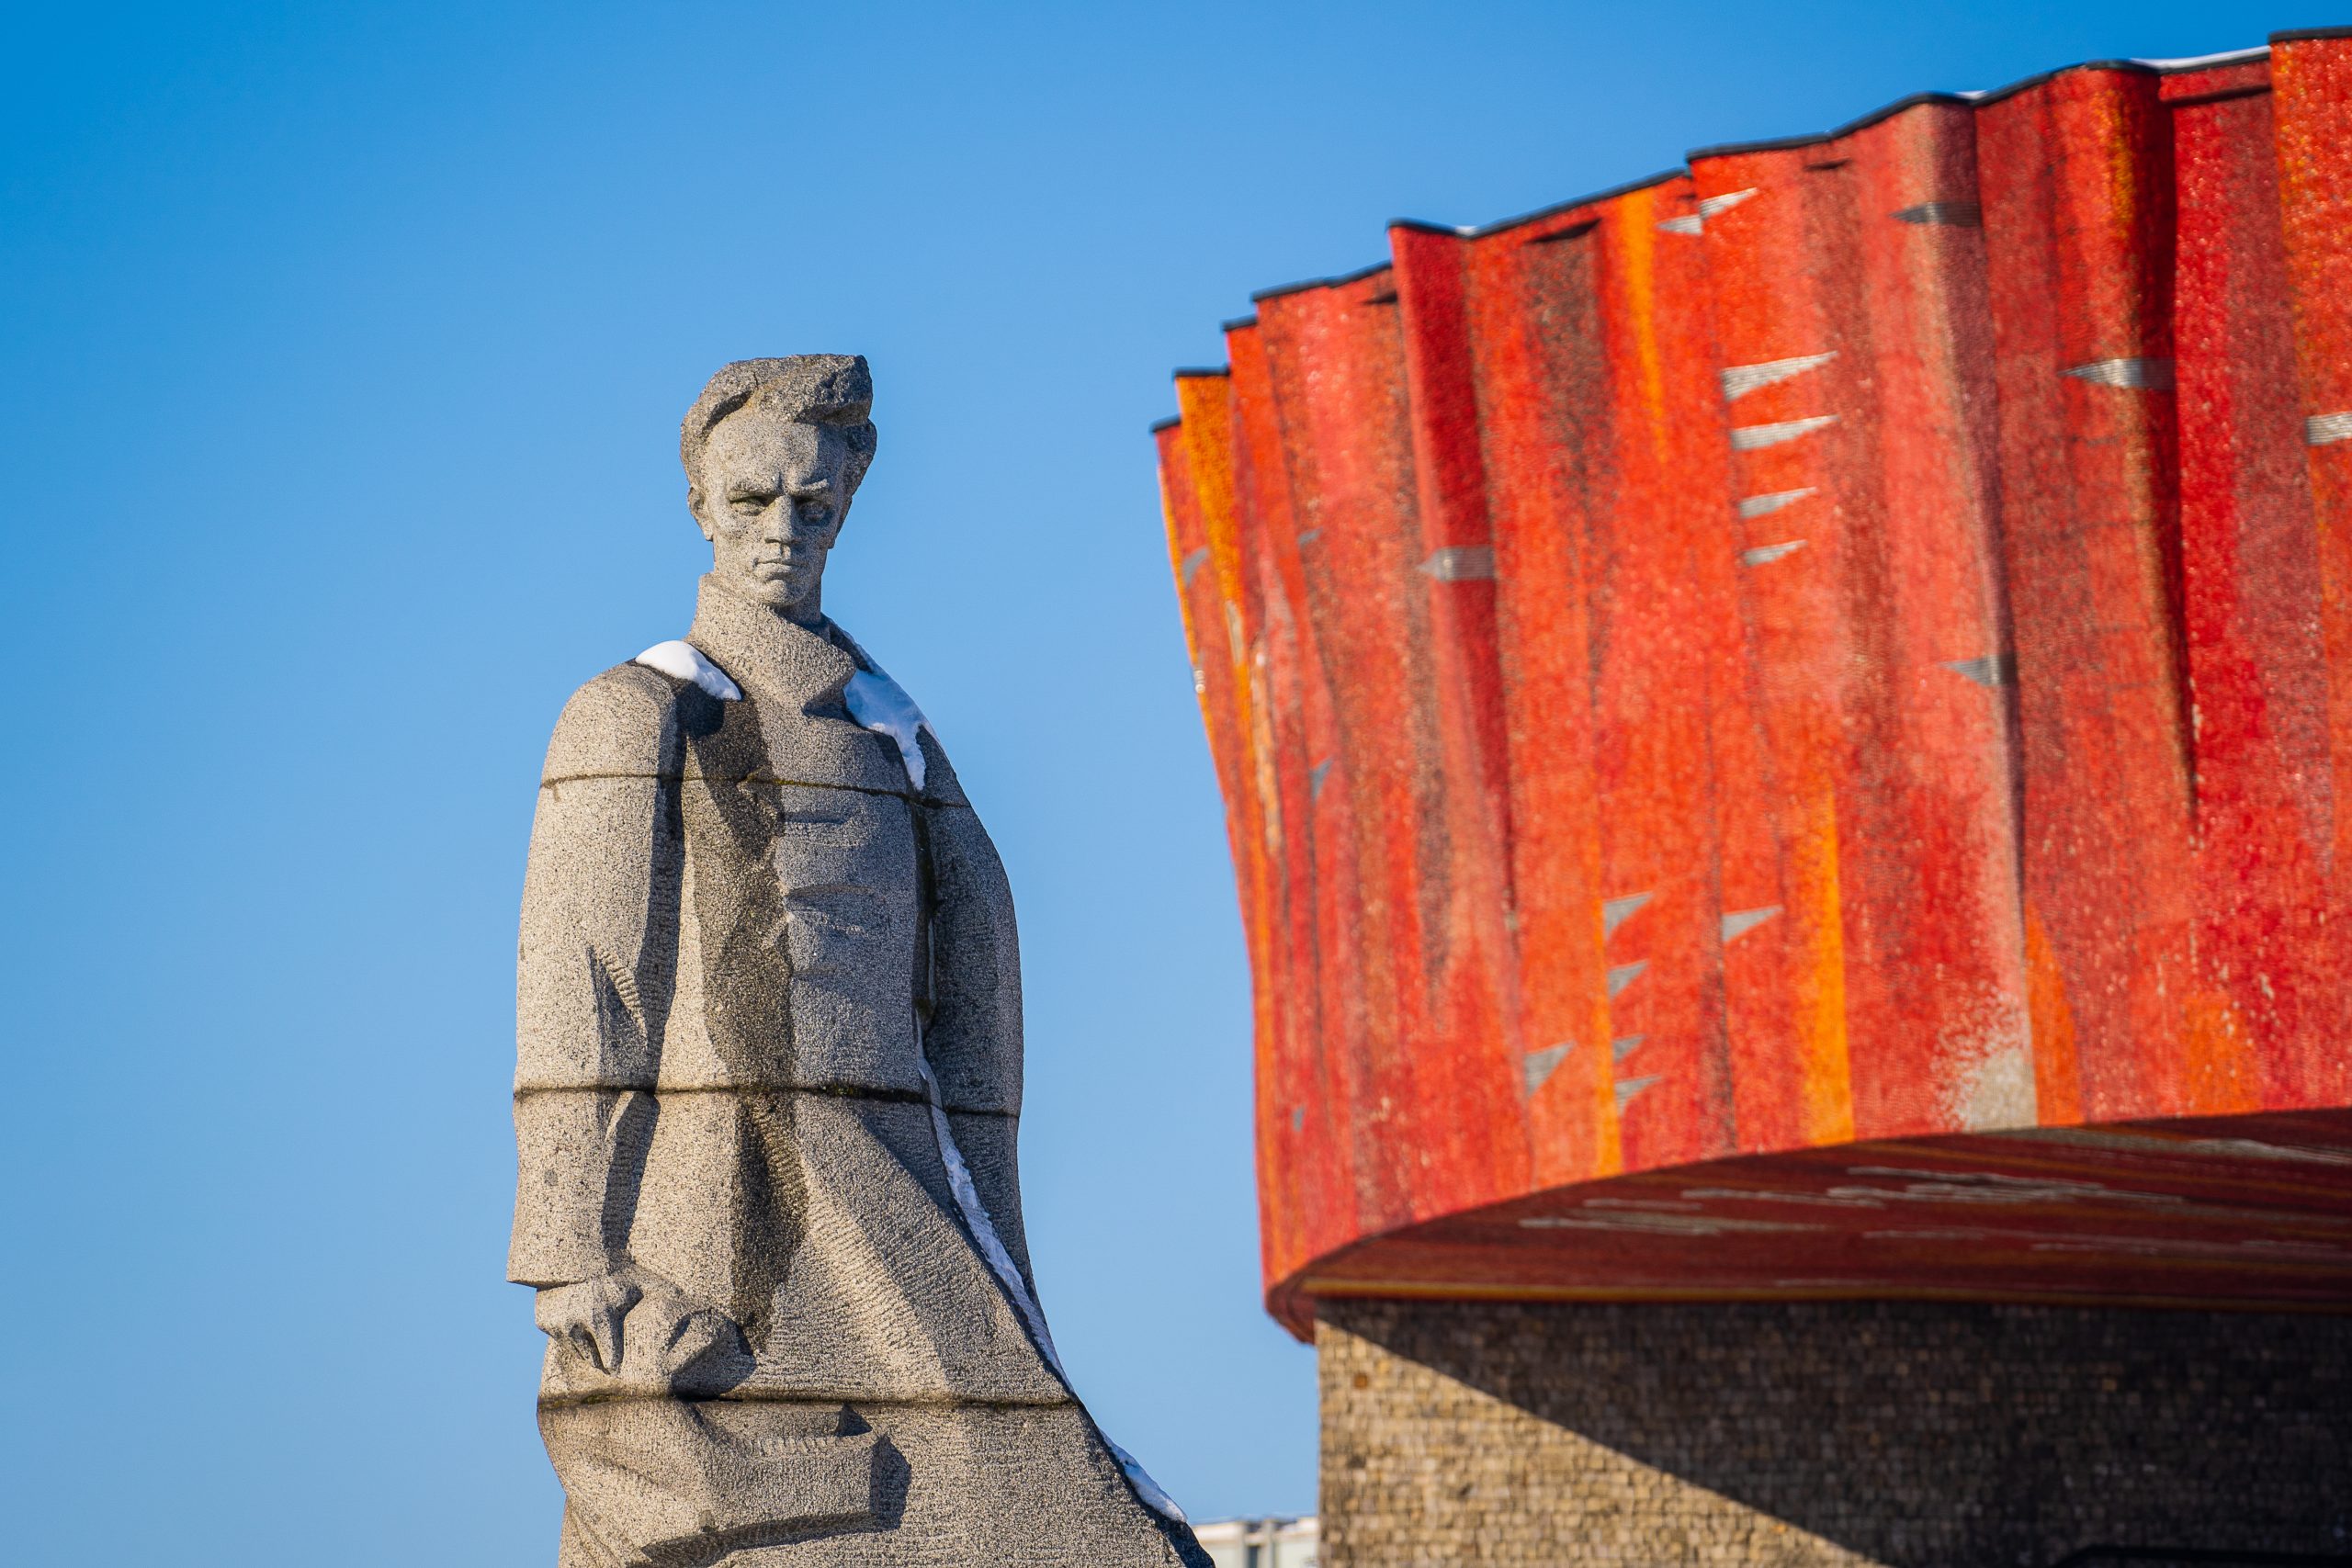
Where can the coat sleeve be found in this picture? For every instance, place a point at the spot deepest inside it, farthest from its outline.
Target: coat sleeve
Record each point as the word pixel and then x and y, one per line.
pixel 974 1040
pixel 594 969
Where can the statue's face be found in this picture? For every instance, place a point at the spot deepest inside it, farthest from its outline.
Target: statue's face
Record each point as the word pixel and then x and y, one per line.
pixel 771 496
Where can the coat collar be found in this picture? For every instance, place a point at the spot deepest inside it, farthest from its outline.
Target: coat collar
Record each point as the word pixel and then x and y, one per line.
pixel 796 679
pixel 781 663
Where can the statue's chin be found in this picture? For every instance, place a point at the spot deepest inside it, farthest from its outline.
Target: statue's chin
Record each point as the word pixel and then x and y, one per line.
pixel 775 592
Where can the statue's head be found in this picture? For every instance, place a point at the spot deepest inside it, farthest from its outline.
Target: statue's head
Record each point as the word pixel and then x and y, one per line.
pixel 774 450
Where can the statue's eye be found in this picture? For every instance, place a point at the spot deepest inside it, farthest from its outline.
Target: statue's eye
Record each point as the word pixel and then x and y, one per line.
pixel 751 502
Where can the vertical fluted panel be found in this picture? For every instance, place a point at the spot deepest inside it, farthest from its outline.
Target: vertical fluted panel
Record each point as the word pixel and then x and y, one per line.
pixel 2251 607
pixel 2076 177
pixel 2311 77
pixel 1532 311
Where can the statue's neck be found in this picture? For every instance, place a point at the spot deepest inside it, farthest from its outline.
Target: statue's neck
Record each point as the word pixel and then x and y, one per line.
pixel 807 613
pixel 757 643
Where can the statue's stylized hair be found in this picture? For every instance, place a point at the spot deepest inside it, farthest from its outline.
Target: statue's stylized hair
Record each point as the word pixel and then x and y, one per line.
pixel 814 389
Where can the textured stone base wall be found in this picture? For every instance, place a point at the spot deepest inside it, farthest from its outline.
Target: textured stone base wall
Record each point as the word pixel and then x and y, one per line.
pixel 1900 1432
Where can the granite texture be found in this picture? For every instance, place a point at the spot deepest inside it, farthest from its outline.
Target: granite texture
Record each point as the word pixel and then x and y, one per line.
pixel 868 1483
pixel 1934 1435
pixel 779 1328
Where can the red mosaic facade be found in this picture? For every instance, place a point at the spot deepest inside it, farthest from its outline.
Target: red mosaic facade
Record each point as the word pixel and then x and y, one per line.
pixel 1787 730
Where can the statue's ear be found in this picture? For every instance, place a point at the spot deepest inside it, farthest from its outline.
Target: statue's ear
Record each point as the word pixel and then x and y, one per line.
pixel 693 505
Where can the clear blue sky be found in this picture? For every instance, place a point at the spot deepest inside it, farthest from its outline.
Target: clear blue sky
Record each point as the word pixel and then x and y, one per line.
pixel 342 351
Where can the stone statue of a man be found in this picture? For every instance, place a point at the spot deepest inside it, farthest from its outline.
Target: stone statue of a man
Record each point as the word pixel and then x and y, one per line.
pixel 769 1075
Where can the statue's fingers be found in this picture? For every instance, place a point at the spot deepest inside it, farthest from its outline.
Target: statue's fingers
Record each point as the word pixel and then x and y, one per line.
pixel 606 1327
pixel 548 1313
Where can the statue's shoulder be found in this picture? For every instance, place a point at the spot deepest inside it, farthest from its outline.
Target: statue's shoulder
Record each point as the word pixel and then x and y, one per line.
pixel 630 720
pixel 940 785
pixel 878 703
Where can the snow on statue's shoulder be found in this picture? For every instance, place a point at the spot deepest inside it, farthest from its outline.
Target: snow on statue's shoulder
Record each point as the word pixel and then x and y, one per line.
pixel 685 661
pixel 881 705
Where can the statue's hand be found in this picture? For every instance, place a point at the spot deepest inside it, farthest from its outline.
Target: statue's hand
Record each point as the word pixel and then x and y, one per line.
pixel 694 1351
pixel 587 1316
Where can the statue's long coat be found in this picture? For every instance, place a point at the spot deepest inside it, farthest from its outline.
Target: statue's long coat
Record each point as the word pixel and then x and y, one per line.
pixel 745 931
